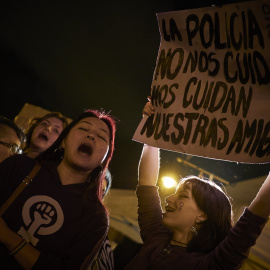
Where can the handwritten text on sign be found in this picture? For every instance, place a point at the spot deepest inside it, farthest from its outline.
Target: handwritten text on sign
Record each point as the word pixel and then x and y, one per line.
pixel 211 85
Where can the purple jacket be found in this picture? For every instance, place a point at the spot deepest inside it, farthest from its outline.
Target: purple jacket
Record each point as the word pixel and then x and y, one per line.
pixel 229 254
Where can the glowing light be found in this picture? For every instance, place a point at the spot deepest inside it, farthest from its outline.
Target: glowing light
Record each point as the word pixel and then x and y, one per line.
pixel 168 182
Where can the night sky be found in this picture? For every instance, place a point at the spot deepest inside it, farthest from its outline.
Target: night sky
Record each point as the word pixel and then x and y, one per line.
pixel 68 56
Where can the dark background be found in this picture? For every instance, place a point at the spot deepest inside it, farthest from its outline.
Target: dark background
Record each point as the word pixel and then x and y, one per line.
pixel 68 56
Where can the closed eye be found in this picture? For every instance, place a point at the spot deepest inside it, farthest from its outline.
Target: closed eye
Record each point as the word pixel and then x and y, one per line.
pixel 56 131
pixel 183 194
pixel 101 137
pixel 85 129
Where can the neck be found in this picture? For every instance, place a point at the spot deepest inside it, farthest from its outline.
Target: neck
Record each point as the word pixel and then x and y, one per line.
pixel 180 239
pixel 178 243
pixel 69 175
pixel 32 154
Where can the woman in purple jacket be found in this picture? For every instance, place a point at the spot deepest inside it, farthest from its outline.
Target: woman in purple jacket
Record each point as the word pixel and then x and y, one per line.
pixel 195 231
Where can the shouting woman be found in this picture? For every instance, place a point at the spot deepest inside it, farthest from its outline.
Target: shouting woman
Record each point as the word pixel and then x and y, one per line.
pixel 59 221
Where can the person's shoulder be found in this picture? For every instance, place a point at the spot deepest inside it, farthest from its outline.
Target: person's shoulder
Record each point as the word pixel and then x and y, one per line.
pixel 12 171
pixel 17 162
pixel 95 208
pixel 18 157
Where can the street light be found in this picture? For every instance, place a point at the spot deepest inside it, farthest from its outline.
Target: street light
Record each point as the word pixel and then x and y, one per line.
pixel 168 182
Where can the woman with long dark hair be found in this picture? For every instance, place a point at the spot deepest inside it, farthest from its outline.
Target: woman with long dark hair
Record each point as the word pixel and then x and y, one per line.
pixel 59 221
pixel 195 231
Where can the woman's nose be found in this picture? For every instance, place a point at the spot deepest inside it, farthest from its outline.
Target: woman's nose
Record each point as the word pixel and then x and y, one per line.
pixel 49 128
pixel 91 136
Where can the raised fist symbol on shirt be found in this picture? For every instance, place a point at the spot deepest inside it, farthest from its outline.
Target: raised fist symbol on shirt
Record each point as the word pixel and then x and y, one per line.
pixel 41 217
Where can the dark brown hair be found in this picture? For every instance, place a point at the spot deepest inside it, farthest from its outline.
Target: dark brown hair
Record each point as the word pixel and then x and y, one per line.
pixel 14 126
pixel 216 204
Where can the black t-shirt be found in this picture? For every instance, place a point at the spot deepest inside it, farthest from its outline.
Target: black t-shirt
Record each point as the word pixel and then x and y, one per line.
pixel 51 216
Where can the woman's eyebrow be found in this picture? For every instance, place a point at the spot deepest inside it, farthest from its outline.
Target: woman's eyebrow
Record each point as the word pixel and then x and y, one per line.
pixel 48 121
pixel 102 129
pixel 183 191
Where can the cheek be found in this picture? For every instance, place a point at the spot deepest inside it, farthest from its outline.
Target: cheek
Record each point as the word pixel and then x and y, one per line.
pixel 54 137
pixel 37 130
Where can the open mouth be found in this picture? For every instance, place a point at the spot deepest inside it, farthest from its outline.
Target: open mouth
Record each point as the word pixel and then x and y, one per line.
pixel 168 209
pixel 85 149
pixel 43 136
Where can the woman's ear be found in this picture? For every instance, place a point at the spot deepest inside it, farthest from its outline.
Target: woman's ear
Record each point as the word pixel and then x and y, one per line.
pixel 201 218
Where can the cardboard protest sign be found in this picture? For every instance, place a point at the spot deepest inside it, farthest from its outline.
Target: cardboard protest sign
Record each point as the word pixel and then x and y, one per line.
pixel 211 84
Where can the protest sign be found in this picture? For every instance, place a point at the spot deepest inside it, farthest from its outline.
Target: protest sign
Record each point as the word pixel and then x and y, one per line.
pixel 211 84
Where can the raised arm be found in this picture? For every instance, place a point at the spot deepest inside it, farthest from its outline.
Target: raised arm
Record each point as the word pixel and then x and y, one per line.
pixel 149 166
pixel 261 204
